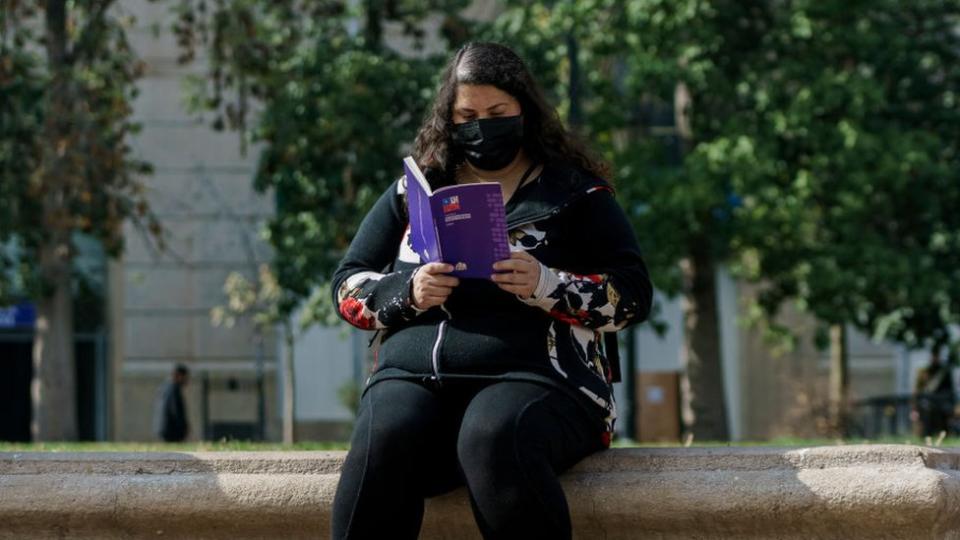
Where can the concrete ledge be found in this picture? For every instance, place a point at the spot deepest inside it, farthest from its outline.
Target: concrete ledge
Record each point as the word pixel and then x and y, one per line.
pixel 824 492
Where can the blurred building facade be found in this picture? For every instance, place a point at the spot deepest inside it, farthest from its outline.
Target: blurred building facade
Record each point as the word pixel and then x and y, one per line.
pixel 159 302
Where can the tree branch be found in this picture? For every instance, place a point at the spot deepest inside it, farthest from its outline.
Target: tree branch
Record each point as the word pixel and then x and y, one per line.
pixel 86 42
pixel 56 22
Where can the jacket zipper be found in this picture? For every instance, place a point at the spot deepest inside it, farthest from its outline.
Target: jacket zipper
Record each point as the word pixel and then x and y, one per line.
pixel 435 353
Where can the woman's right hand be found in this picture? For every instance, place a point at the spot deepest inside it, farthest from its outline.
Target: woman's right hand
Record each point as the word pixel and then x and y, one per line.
pixel 432 285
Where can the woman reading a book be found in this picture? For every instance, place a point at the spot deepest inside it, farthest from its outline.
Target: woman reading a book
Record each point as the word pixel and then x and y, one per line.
pixel 501 383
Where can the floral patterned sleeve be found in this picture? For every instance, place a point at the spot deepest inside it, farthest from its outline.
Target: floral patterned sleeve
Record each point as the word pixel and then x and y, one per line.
pixel 610 288
pixel 365 296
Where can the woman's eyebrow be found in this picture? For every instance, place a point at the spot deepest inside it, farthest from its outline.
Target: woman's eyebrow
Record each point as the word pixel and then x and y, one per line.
pixel 465 110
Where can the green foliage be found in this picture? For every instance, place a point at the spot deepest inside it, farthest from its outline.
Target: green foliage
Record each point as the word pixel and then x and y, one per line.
pixel 612 67
pixel 65 167
pixel 355 110
pixel 339 111
pixel 849 167
pixel 260 300
pixel 810 144
pixel 22 82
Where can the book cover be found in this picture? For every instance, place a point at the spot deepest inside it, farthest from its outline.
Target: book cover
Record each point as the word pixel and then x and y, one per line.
pixel 463 225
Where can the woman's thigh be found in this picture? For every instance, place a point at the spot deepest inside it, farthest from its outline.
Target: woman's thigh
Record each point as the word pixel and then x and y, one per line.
pixel 515 438
pixel 405 428
pixel 529 421
pixel 388 469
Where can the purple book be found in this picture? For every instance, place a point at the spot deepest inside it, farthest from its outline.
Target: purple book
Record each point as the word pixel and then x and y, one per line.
pixel 463 225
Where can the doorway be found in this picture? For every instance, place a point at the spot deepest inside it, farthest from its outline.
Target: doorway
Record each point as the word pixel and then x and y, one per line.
pixel 16 372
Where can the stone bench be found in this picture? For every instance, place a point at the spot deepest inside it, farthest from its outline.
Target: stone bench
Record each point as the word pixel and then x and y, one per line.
pixel 887 491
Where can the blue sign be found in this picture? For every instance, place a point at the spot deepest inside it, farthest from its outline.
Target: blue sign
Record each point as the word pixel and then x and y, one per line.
pixel 22 315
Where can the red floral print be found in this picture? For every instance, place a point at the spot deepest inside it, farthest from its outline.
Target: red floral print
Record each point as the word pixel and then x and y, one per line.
pixel 564 317
pixel 352 310
pixel 593 278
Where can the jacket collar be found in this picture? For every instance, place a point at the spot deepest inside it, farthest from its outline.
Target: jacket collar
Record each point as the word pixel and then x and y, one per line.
pixel 557 187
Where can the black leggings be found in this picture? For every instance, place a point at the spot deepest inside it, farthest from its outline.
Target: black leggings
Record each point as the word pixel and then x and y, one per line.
pixel 506 440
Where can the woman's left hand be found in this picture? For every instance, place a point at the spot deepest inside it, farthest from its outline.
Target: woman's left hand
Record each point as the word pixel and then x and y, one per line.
pixel 518 275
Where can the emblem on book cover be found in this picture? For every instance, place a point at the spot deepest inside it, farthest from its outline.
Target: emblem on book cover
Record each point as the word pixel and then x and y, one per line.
pixel 451 204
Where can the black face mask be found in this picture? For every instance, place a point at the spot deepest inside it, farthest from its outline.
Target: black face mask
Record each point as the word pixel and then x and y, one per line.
pixel 490 143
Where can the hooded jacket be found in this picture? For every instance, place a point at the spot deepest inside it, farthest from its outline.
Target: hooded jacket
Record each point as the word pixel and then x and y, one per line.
pixel 592 281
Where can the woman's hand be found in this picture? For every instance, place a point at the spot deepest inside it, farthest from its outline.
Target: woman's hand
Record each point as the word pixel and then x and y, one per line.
pixel 519 274
pixel 431 285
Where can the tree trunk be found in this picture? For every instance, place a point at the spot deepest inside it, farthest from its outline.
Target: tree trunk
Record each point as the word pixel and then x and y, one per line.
pixel 374 28
pixel 288 384
pixel 705 413
pixel 53 388
pixel 261 398
pixel 839 379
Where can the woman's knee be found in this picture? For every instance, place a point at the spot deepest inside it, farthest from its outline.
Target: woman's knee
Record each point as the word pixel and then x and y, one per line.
pixel 497 426
pixel 480 439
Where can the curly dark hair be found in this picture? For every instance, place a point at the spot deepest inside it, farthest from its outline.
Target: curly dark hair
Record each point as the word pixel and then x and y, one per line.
pixel 545 138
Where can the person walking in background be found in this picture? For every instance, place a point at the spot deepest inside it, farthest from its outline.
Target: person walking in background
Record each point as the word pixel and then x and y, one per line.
pixel 934 396
pixel 170 414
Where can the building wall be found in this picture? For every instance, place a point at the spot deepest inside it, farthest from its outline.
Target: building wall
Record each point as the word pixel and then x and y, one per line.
pixel 786 393
pixel 328 361
pixel 783 392
pixel 160 301
pixel 770 392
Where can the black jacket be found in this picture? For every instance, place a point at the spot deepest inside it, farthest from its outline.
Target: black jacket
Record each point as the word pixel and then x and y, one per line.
pixel 593 280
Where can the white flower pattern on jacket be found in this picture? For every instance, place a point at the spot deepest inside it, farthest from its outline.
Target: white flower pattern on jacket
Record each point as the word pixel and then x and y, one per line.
pixel 584 306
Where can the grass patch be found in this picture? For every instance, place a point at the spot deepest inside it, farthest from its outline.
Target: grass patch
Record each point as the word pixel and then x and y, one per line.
pixel 793 441
pixel 245 446
pixel 221 446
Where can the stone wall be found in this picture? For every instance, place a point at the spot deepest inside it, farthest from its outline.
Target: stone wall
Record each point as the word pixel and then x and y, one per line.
pixel 849 492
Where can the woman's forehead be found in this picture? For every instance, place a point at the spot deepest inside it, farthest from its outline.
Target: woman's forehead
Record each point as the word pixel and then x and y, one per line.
pixel 481 97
